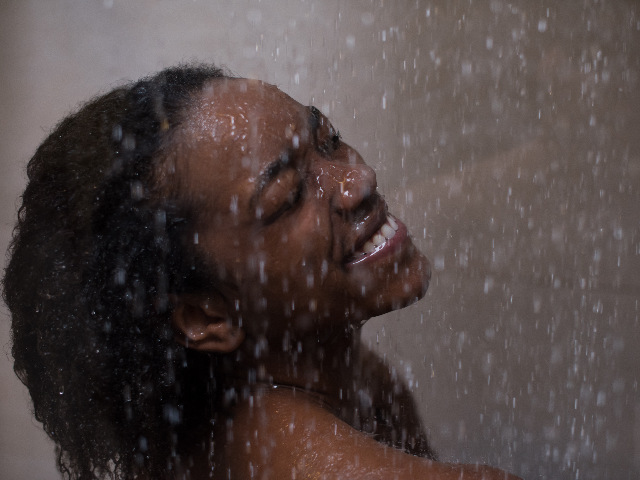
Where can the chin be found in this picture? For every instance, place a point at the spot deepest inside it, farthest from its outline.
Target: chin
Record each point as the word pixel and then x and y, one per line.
pixel 387 291
pixel 399 296
pixel 413 287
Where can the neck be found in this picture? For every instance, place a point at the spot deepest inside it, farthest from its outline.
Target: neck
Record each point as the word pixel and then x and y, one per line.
pixel 325 368
pixel 321 367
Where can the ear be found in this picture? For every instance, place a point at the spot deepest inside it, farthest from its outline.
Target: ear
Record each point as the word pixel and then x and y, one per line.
pixel 202 323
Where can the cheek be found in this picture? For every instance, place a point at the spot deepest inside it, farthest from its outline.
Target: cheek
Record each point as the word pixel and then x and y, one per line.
pixel 304 239
pixel 292 269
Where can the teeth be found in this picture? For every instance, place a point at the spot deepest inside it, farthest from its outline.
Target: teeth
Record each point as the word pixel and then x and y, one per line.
pixel 387 231
pixel 368 247
pixel 378 239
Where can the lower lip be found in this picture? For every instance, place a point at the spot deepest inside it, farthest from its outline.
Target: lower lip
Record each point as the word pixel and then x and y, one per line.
pixel 393 246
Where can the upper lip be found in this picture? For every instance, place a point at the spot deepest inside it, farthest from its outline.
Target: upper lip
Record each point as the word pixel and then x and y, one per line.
pixel 368 224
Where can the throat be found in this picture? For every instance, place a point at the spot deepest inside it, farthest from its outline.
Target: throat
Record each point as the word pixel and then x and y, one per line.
pixel 325 370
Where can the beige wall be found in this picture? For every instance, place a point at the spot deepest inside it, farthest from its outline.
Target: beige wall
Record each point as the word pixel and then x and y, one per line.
pixel 506 134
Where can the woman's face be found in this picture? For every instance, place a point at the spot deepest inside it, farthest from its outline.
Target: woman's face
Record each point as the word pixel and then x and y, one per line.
pixel 289 215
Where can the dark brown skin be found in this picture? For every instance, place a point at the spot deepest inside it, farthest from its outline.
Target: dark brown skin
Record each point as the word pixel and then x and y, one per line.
pixel 285 207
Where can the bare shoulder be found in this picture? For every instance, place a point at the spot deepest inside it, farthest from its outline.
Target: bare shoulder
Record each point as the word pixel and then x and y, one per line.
pixel 387 407
pixel 282 433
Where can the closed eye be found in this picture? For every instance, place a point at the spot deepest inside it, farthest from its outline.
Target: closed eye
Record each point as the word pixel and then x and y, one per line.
pixel 291 202
pixel 279 196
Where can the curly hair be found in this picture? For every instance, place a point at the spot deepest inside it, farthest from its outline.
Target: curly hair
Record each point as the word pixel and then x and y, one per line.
pixel 96 253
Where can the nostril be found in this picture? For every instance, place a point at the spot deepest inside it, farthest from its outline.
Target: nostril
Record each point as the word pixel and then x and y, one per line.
pixel 365 207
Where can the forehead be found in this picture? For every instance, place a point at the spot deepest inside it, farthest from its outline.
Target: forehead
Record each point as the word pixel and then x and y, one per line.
pixel 230 109
pixel 232 132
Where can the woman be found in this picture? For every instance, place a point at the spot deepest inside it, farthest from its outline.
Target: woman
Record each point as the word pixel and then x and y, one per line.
pixel 193 257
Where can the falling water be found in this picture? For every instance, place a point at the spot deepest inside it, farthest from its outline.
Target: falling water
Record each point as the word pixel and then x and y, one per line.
pixel 504 133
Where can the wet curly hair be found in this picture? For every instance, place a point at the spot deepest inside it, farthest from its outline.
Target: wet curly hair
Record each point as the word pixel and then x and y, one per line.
pixel 95 256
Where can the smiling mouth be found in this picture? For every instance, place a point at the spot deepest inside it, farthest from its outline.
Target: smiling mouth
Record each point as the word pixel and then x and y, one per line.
pixel 377 242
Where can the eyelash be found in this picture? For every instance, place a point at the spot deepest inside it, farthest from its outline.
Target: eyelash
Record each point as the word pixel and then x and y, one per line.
pixel 336 139
pixel 332 143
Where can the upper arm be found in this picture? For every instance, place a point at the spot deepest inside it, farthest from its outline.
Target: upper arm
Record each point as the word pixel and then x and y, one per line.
pixel 283 435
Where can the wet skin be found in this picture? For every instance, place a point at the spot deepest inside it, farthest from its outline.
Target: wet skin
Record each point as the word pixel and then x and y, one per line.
pixel 285 205
pixel 286 211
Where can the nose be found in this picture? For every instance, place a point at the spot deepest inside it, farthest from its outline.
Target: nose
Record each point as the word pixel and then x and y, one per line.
pixel 348 182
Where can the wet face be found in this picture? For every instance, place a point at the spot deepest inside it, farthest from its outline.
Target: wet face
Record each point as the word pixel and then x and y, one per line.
pixel 289 215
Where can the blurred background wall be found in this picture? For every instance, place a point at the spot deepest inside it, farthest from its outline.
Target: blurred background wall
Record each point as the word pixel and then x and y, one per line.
pixel 506 134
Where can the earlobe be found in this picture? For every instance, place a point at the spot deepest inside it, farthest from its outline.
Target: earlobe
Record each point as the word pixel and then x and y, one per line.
pixel 204 325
